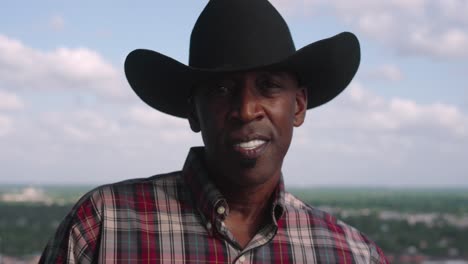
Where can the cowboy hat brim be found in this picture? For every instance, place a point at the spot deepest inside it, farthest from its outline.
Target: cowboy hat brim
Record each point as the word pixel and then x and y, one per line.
pixel 325 67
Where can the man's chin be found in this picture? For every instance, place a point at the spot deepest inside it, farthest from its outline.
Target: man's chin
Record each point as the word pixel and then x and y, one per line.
pixel 250 175
pixel 248 163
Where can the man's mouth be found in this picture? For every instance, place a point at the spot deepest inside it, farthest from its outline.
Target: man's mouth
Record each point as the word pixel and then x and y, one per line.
pixel 249 145
pixel 251 149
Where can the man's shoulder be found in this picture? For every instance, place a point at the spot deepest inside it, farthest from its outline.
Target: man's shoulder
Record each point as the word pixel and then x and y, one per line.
pixel 129 192
pixel 326 227
pixel 162 182
pixel 297 206
pixel 110 205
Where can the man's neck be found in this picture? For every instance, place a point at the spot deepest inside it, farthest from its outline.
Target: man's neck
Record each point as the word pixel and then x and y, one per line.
pixel 249 201
pixel 248 208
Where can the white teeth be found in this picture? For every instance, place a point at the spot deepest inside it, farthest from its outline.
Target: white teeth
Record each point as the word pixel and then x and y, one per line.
pixel 251 144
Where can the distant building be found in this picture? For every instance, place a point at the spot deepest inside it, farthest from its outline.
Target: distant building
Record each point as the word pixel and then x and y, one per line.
pixel 29 194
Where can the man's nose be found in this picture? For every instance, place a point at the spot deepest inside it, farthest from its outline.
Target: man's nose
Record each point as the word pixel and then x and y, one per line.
pixel 247 105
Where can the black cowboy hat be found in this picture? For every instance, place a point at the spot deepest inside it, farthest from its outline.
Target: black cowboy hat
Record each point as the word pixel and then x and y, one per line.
pixel 241 35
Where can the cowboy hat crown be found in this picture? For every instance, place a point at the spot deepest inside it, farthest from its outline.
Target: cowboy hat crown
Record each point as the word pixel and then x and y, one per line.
pixel 242 35
pixel 239 34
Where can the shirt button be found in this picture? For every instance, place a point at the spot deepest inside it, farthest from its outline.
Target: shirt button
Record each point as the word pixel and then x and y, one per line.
pixel 208 226
pixel 242 258
pixel 221 210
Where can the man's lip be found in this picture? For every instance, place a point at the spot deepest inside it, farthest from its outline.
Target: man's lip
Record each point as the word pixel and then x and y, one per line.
pixel 246 138
pixel 251 144
pixel 253 153
pixel 250 153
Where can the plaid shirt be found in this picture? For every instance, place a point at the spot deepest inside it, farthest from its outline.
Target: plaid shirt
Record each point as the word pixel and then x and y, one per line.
pixel 178 218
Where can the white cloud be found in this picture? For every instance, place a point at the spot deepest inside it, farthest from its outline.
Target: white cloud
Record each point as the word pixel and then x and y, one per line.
pixel 362 98
pixel 10 101
pixel 57 23
pixel 80 125
pixel 167 128
pixel 406 113
pixel 293 7
pixel 366 6
pixel 361 123
pixel 453 10
pixel 434 28
pixel 388 72
pixel 450 43
pixel 79 69
pixel 377 24
pixel 401 115
pixel 363 137
pixel 150 117
pixel 6 125
pixel 103 144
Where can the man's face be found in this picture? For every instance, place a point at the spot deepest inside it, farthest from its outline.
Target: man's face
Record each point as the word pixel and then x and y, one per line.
pixel 246 120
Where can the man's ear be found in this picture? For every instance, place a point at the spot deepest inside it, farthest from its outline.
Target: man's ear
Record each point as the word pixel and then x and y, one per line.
pixel 301 106
pixel 193 117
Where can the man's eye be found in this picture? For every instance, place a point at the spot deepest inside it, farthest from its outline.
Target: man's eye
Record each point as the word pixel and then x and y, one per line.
pixel 268 85
pixel 222 88
pixel 219 90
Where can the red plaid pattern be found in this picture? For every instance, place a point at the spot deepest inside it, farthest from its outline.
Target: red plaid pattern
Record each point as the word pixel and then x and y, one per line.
pixel 175 218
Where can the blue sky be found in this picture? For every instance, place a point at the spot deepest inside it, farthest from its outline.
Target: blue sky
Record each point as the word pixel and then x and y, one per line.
pixel 67 114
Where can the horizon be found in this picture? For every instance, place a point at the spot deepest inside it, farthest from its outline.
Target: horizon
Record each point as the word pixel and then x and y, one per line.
pixel 3 185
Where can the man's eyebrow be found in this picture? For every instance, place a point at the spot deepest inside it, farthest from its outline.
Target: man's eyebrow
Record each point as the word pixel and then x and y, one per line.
pixel 280 74
pixel 283 75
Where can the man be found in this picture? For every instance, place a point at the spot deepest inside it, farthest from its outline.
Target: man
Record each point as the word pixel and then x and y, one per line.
pixel 245 90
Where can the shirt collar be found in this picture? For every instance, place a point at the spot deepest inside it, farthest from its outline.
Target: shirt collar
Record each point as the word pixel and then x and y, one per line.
pixel 208 199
